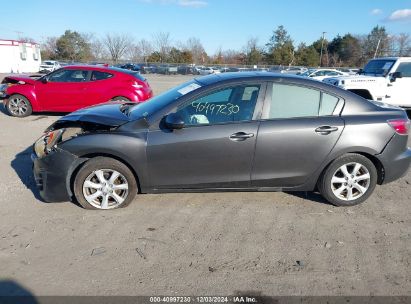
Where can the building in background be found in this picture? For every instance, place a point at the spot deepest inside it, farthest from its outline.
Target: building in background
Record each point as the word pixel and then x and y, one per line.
pixel 19 57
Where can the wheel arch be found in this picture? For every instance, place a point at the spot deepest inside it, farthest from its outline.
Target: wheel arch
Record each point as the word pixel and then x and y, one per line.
pixel 377 163
pixel 86 157
pixel 362 92
pixel 30 96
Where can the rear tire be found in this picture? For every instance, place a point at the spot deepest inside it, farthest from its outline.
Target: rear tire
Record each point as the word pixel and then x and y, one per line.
pixel 104 183
pixel 349 180
pixel 18 106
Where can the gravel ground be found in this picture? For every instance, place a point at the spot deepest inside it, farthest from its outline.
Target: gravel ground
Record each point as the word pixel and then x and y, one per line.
pixel 196 244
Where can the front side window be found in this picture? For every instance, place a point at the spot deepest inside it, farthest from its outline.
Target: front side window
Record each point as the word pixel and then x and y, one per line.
pixel 68 76
pixel 231 104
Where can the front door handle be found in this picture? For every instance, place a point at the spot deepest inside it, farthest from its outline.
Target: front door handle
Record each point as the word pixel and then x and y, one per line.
pixel 325 130
pixel 241 136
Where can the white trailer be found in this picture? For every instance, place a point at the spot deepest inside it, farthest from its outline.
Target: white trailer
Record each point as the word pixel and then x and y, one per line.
pixel 19 57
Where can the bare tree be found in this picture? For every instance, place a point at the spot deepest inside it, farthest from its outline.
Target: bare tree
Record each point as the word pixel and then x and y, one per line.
pixel 97 49
pixel 49 48
pixel 195 47
pixel 162 44
pixel 403 44
pixel 145 48
pixel 117 45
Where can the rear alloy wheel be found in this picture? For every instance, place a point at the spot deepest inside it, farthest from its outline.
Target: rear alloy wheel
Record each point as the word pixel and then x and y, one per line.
pixel 18 106
pixel 349 180
pixel 104 183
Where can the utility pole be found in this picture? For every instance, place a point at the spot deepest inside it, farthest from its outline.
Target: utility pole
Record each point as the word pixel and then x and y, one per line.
pixel 322 45
pixel 18 34
pixel 376 50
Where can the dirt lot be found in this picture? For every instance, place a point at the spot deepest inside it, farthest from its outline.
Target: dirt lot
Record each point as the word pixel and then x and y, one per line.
pixel 197 244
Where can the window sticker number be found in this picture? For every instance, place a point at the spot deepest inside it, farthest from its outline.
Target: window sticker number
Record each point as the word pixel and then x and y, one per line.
pixel 215 109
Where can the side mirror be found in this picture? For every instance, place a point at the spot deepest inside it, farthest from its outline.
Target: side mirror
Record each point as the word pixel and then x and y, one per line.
pixel 174 121
pixel 44 80
pixel 395 75
pixel 360 71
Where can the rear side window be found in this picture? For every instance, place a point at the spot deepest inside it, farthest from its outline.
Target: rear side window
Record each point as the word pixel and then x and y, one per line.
pixel 289 101
pixel 97 75
pixel 405 69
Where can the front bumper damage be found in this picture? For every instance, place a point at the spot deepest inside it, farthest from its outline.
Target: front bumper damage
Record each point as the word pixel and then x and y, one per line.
pixel 53 172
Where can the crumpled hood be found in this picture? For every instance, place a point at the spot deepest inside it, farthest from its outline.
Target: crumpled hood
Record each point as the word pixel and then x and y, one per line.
pixel 107 114
pixel 16 79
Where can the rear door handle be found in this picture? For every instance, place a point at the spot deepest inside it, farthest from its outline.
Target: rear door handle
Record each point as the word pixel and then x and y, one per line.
pixel 324 130
pixel 241 136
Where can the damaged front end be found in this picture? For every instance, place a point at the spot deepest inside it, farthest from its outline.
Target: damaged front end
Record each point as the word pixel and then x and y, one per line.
pixel 53 166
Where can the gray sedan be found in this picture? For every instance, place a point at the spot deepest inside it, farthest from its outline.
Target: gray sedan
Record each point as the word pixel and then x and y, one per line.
pixel 226 132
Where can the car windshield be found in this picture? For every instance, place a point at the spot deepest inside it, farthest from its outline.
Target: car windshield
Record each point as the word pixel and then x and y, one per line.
pixel 378 67
pixel 156 103
pixel 48 63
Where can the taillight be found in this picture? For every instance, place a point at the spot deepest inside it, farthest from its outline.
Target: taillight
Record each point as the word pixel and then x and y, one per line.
pixel 401 126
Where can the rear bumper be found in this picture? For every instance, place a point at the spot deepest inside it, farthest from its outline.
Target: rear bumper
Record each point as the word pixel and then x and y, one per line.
pixel 395 163
pixel 52 174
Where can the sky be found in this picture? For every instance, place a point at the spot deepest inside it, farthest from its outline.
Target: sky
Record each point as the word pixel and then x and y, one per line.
pixel 225 24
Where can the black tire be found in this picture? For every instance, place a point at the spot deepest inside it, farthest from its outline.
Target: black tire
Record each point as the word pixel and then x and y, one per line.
pixel 120 98
pixel 105 164
pixel 18 106
pixel 325 186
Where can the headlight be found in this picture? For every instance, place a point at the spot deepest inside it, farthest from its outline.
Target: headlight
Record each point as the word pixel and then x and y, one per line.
pixel 50 139
pixel 45 143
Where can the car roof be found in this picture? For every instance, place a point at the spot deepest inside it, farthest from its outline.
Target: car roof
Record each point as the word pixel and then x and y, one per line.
pixel 270 76
pixel 98 68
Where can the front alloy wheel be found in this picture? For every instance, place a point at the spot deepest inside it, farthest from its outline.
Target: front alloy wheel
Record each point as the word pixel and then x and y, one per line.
pixel 104 183
pixel 105 189
pixel 18 106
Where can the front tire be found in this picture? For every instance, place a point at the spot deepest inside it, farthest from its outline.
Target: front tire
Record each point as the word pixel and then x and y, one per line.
pixel 104 183
pixel 18 106
pixel 349 180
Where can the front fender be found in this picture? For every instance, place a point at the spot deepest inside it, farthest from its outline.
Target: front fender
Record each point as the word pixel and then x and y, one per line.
pixel 129 148
pixel 27 91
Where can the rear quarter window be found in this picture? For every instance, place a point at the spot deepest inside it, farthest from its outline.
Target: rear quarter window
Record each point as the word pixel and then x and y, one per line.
pixel 328 104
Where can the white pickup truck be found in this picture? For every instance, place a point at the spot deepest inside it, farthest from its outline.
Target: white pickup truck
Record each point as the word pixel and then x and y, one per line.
pixel 383 79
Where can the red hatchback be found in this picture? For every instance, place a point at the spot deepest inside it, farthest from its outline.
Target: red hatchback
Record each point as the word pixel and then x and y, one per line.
pixel 73 87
